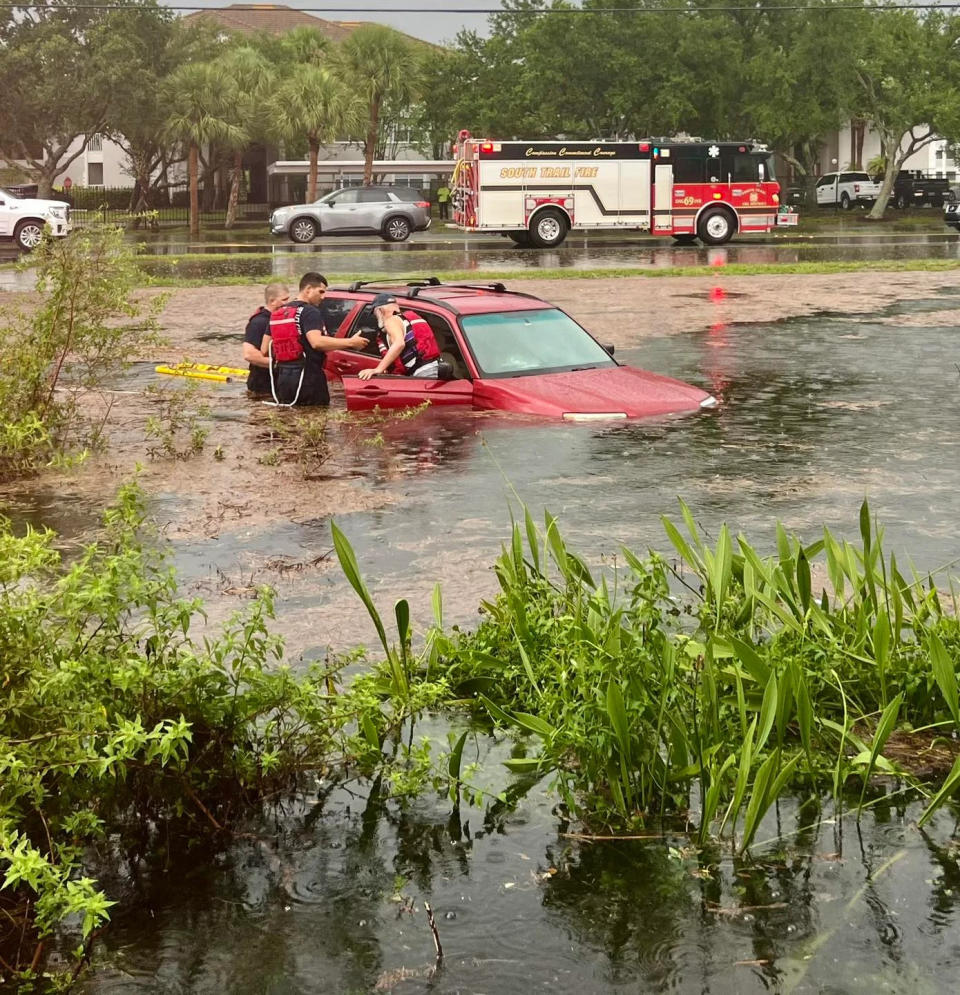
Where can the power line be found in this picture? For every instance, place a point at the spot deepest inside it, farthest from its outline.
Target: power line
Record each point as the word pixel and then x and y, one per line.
pixel 757 8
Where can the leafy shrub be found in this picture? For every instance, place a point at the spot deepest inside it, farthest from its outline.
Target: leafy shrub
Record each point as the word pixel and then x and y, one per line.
pixel 86 329
pixel 115 720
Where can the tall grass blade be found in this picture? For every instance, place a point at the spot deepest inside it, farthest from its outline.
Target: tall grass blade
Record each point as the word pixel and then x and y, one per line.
pixel 768 710
pixel 886 725
pixel 681 545
pixel 949 786
pixel 437 606
pixel 691 526
pixel 527 668
pixel 881 651
pixel 757 805
pixel 753 663
pixel 533 540
pixel 351 570
pixel 803 581
pixel 743 778
pixel 944 674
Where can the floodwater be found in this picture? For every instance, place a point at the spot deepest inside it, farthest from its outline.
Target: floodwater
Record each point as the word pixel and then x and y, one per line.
pixel 257 258
pixel 816 413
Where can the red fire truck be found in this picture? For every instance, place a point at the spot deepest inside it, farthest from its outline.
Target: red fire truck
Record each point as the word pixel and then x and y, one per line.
pixel 535 192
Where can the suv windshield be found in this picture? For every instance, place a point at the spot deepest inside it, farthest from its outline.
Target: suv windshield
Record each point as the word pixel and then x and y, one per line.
pixel 522 343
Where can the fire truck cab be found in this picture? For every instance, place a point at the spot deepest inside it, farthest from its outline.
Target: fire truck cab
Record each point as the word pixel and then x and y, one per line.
pixel 535 192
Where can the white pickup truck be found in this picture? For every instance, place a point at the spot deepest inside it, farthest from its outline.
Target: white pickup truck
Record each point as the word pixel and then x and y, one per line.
pixel 846 189
pixel 24 219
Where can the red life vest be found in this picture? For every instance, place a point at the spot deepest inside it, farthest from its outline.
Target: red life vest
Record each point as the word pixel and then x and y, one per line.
pixel 419 344
pixel 286 345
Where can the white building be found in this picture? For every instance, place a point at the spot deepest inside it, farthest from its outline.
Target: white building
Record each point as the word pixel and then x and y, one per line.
pixel 840 152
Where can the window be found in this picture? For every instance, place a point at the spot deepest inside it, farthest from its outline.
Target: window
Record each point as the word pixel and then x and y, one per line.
pixel 345 197
pixel 518 343
pixel 95 144
pixel 94 174
pixel 372 195
pixel 366 325
pixel 689 167
pixel 334 311
pixel 447 344
pixel 739 167
pixel 827 181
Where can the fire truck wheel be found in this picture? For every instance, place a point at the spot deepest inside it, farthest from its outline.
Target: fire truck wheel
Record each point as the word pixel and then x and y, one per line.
pixel 520 237
pixel 716 226
pixel 548 228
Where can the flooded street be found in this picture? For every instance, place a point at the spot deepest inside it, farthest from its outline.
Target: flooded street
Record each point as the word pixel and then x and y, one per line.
pixel 260 258
pixel 831 389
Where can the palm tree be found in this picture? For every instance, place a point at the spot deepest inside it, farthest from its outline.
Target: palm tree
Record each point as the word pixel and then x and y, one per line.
pixel 200 96
pixel 311 100
pixel 379 64
pixel 249 77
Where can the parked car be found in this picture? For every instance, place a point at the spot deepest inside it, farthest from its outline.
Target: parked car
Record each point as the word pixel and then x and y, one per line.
pixel 25 219
pixel 912 187
pixel 501 350
pixel 388 211
pixel 951 214
pixel 846 189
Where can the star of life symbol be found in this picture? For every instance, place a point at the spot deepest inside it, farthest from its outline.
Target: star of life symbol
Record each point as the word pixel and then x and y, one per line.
pixel 713 151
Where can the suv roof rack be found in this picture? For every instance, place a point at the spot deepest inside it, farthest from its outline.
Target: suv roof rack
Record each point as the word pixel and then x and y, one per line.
pixel 425 281
pixel 417 285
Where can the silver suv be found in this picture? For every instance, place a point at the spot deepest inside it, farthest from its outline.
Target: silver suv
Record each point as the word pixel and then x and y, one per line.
pixel 390 212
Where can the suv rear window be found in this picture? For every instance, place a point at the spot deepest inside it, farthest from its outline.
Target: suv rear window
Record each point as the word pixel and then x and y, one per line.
pixel 408 194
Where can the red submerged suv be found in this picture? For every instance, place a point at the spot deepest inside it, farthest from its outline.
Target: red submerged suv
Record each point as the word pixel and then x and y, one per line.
pixel 501 350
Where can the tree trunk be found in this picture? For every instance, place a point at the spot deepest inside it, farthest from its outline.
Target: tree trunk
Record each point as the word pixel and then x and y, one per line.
pixel 192 171
pixel 236 173
pixel 892 162
pixel 312 175
pixel 371 144
pixel 45 183
pixel 857 129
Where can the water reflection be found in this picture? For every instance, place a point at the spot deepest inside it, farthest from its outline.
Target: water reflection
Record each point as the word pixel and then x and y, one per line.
pixel 326 896
pixel 259 259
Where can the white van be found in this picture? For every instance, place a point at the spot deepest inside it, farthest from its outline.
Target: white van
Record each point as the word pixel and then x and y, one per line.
pixel 846 189
pixel 24 219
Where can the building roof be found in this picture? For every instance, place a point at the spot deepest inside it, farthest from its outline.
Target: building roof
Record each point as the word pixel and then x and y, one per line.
pixel 272 19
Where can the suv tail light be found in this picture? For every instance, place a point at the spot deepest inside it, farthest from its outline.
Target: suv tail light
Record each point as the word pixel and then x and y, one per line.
pixel 421 203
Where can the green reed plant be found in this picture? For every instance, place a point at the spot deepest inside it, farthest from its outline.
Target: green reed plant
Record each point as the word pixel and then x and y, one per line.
pixel 640 704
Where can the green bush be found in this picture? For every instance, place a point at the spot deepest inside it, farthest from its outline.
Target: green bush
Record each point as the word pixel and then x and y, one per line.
pixel 114 717
pixel 86 329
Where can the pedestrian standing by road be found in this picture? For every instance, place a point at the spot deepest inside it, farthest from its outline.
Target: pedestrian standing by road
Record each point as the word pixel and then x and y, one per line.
pixel 443 200
pixel 254 350
pixel 298 343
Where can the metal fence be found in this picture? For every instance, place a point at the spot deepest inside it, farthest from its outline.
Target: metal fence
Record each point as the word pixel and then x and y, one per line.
pixel 171 206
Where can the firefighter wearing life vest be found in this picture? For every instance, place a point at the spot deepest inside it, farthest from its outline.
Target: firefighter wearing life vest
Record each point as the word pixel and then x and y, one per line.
pixel 406 342
pixel 297 346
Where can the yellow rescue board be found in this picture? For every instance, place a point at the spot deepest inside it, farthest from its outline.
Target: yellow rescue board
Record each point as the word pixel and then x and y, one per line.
pixel 203 371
